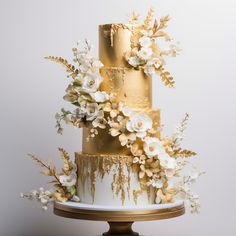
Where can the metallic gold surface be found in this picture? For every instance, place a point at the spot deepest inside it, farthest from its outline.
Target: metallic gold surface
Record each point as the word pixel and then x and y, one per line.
pixel 130 85
pixel 104 143
pixel 114 42
pixel 118 216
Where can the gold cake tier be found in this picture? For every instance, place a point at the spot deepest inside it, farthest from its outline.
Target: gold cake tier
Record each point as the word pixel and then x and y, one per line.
pixel 129 85
pixel 114 42
pixel 104 143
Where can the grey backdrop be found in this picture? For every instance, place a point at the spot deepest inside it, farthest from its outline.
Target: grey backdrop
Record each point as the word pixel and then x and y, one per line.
pixel 31 91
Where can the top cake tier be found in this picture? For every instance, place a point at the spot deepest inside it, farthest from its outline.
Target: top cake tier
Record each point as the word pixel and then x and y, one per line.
pixel 114 42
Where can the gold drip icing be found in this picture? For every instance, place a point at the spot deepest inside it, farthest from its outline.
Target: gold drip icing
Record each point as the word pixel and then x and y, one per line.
pixel 114 42
pixel 136 194
pixel 93 166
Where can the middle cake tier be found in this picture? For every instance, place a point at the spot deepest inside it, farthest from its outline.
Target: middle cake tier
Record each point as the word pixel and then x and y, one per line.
pixel 104 143
pixel 128 85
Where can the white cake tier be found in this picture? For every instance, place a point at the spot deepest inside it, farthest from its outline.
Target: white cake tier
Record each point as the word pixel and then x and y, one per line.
pixel 111 180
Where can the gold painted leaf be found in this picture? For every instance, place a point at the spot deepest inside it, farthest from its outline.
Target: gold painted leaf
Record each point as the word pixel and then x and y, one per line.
pixel 183 153
pixel 167 79
pixel 73 72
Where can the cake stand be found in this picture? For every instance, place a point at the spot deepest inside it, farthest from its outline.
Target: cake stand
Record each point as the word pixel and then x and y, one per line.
pixel 120 219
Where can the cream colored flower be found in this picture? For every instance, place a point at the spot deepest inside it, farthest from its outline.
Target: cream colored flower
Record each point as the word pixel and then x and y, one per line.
pixel 140 160
pixel 152 147
pixel 134 61
pixel 100 121
pixel 92 110
pixel 149 71
pixel 127 139
pixel 91 83
pixel 100 96
pixel 145 53
pixel 145 41
pixel 68 180
pixel 155 183
pixel 140 124
pixel 127 111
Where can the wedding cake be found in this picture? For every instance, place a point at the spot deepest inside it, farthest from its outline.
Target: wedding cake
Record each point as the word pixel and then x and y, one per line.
pixel 125 159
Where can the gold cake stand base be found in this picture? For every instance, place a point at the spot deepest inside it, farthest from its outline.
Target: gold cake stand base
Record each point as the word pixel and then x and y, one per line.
pixel 120 221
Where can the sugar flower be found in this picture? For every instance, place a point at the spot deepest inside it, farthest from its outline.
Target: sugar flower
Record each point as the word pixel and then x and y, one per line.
pixel 145 53
pixel 134 61
pixel 68 180
pixel 139 123
pixel 91 83
pixel 145 41
pixel 152 147
pixel 100 96
pixel 92 110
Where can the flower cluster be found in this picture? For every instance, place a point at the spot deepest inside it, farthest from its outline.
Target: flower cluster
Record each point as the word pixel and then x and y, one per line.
pixel 83 91
pixel 40 195
pixel 146 52
pixel 64 182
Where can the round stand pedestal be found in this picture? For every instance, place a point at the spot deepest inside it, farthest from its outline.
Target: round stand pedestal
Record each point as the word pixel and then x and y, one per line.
pixel 120 229
pixel 120 219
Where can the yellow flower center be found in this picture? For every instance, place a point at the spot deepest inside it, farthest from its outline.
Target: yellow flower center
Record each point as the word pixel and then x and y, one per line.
pixel 151 149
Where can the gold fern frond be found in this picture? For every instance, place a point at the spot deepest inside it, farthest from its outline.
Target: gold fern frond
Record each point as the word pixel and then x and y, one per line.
pixel 149 18
pixel 167 79
pixel 163 22
pixel 73 72
pixel 49 170
pixel 67 168
pixel 183 153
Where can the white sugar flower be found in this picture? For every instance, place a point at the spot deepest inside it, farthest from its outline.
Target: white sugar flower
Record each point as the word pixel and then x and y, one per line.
pixel 97 64
pixel 145 41
pixel 149 71
pixel 92 110
pixel 127 111
pixel 100 121
pixel 139 123
pixel 100 96
pixel 134 61
pixel 126 139
pixel 168 163
pixel 145 53
pixel 152 147
pixel 91 83
pixel 68 180
pixel 155 183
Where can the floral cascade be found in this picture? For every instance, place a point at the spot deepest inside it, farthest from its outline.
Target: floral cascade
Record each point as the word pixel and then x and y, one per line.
pixel 160 161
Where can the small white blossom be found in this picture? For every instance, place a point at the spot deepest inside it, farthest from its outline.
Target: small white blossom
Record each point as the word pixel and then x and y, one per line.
pixel 91 83
pixel 149 71
pixel 100 96
pixel 92 110
pixel 68 180
pixel 145 53
pixel 152 147
pixel 134 61
pixel 145 41
pixel 140 124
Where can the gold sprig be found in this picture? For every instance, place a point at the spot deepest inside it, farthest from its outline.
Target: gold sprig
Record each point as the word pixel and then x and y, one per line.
pixel 167 79
pixel 149 19
pixel 183 153
pixel 163 22
pixel 73 72
pixel 67 168
pixel 50 170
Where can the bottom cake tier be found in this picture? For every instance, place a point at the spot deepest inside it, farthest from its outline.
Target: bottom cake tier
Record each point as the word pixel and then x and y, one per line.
pixel 111 180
